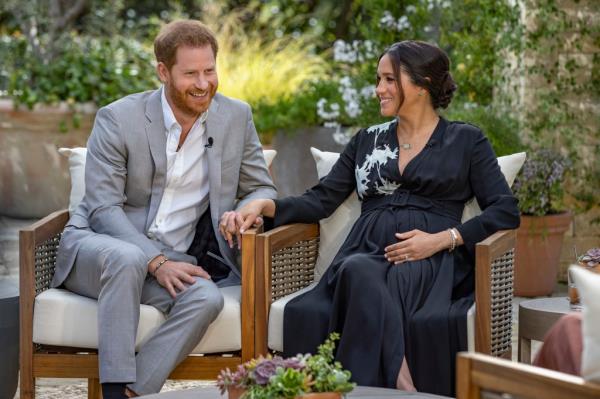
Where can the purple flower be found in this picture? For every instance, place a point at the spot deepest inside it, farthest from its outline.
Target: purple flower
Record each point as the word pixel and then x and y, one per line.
pixel 591 257
pixel 264 371
pixel 294 363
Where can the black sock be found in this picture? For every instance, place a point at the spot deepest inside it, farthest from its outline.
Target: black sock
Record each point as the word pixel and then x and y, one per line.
pixel 114 390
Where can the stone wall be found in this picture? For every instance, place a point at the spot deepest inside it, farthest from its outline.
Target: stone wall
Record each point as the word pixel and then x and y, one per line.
pixel 34 177
pixel 585 230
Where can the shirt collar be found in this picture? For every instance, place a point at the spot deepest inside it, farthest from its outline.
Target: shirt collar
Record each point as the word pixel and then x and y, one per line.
pixel 169 117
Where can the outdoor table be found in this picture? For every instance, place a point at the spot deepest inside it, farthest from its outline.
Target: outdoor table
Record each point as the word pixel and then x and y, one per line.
pixel 536 317
pixel 358 392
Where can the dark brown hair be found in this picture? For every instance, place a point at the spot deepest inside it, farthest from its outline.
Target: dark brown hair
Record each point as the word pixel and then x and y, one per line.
pixel 182 33
pixel 427 66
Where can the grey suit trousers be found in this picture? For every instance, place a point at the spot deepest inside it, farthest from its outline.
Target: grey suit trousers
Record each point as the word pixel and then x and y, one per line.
pixel 115 273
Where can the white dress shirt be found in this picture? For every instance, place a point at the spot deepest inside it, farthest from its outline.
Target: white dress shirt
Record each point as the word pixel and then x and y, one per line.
pixel 186 185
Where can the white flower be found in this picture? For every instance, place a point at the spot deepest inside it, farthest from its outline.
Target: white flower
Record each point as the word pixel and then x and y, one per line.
pixel 342 137
pixel 344 52
pixel 324 114
pixel 388 20
pixel 411 9
pixel 345 81
pixel 352 109
pixel 367 92
pixel 402 23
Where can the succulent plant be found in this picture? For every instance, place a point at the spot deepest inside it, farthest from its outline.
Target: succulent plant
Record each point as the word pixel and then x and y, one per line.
pixel 591 258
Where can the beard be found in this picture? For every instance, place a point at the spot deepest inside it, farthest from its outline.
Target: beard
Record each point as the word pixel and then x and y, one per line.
pixel 186 104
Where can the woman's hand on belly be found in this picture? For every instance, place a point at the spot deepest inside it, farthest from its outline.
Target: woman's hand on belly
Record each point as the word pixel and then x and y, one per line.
pixel 417 245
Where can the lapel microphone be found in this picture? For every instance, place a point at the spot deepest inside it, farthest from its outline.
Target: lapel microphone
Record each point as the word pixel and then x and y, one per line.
pixel 210 143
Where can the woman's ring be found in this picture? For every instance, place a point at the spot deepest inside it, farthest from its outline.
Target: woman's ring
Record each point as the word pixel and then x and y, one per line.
pixel 406 257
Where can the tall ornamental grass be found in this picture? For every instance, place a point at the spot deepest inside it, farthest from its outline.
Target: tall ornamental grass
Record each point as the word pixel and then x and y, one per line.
pixel 261 71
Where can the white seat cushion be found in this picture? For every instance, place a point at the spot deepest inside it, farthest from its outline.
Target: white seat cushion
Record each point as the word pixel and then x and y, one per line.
pixel 275 340
pixel 63 318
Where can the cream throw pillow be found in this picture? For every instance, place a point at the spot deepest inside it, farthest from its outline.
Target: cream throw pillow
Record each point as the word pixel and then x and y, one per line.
pixel 336 227
pixel 77 169
pixel 588 285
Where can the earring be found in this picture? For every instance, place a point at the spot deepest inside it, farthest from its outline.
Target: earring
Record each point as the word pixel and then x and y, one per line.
pixel 421 93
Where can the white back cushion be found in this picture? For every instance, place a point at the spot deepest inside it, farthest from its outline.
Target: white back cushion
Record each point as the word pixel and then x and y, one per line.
pixel 588 285
pixel 336 227
pixel 76 158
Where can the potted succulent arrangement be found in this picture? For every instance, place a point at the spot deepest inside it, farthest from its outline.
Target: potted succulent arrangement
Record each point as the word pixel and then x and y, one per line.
pixel 544 221
pixel 302 376
pixel 590 260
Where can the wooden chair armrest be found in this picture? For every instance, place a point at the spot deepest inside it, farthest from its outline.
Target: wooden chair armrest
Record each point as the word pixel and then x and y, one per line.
pixel 37 253
pixel 286 258
pixel 285 261
pixel 494 269
pixel 479 375
pixel 38 244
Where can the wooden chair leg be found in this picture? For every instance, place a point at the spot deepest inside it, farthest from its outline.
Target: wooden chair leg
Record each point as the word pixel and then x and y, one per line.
pixel 26 379
pixel 26 385
pixel 94 391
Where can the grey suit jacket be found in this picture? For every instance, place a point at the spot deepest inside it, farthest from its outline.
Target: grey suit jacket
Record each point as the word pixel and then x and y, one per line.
pixel 125 175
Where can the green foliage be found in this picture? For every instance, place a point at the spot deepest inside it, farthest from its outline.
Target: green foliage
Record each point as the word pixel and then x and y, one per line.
pixel 502 130
pixel 274 55
pixel 263 71
pixel 87 70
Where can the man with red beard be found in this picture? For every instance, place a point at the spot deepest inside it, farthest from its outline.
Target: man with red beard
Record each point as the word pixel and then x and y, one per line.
pixel 157 179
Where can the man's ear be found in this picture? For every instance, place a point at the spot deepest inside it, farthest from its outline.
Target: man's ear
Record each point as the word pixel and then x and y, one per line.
pixel 162 71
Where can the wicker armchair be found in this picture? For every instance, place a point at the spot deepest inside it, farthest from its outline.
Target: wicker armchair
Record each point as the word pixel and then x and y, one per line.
pixel 286 257
pixel 485 377
pixel 38 245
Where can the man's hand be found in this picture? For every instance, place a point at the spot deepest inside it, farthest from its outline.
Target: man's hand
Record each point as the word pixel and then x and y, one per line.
pixel 229 228
pixel 175 275
pixel 234 223
pixel 416 245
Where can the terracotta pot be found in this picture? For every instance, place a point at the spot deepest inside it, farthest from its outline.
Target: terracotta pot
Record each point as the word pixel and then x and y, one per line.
pixel 537 255
pixel 235 392
pixel 321 395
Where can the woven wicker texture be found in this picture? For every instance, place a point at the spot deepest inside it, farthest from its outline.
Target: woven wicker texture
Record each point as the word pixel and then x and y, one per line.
pixel 501 303
pixel 45 260
pixel 292 268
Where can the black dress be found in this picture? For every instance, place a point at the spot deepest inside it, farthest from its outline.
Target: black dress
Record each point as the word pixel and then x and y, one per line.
pixel 416 309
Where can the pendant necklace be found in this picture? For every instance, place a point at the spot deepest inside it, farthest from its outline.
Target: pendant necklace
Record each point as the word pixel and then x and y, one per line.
pixel 405 146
